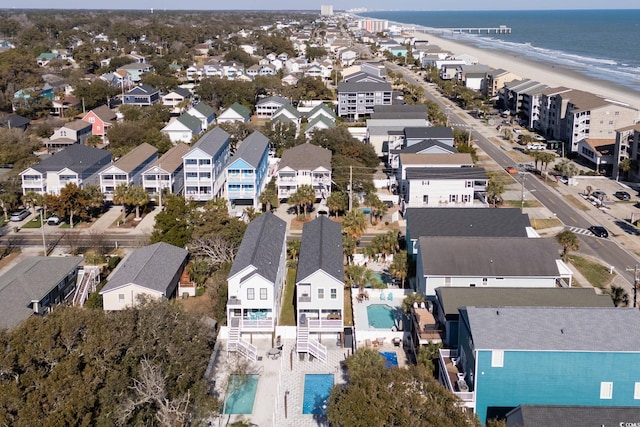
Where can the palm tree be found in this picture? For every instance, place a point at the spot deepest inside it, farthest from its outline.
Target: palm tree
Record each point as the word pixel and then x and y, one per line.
pixel 359 276
pixel 32 199
pixel 293 249
pixel 349 245
pixel 120 198
pixel 354 224
pixel 399 266
pixel 306 196
pixel 569 242
pixel 7 202
pixel 494 191
pixel 137 197
pixel 619 296
pixel 337 202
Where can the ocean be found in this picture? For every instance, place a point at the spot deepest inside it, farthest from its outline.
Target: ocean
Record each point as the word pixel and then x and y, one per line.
pixel 604 44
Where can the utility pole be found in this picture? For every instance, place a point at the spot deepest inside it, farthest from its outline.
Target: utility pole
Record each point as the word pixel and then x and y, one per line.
pixel 524 177
pixel 350 187
pixel 636 280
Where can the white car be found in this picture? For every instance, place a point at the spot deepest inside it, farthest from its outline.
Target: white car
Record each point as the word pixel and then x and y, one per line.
pixel 535 146
pixel 538 137
pixel 517 130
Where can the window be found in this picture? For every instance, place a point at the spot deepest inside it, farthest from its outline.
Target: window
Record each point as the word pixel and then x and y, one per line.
pixel 447 281
pixel 92 120
pixel 251 293
pixel 472 285
pixel 468 184
pixel 334 293
pixel 497 358
pixel 263 293
pixel 320 293
pixel 484 281
pixel 636 391
pixel 606 390
pixel 191 162
pixel 121 298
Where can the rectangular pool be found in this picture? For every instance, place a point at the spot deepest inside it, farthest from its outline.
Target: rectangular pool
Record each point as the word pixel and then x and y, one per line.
pixel 316 393
pixel 390 358
pixel 241 393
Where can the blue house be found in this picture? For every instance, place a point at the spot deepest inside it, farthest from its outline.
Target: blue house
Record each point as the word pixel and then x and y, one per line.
pixel 204 166
pixel 143 95
pixel 247 171
pixel 510 356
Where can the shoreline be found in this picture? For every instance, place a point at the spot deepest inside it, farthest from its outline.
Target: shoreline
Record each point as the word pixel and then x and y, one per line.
pixel 546 72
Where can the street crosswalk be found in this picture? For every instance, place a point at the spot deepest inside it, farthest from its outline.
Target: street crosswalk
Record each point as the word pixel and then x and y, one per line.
pixel 582 231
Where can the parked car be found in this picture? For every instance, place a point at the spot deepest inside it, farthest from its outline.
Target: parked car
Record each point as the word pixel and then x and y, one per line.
pixel 622 195
pixel 538 137
pixel 600 195
pixel 535 146
pixel 599 231
pixel 53 220
pixel 511 170
pixel 19 215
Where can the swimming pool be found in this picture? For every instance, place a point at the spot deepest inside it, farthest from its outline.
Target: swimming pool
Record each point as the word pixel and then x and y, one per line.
pixel 381 316
pixel 316 392
pixel 241 393
pixel 366 211
pixel 390 358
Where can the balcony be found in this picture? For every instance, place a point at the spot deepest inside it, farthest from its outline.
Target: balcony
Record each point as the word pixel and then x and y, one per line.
pixel 450 374
pixel 328 323
pixel 287 180
pixel 425 326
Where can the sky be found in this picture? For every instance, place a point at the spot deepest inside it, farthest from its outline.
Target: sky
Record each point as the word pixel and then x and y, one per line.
pixel 315 6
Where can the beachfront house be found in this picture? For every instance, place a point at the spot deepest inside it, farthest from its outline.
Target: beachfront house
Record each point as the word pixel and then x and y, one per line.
pixel 319 286
pixel 496 80
pixel 504 262
pixel 76 164
pixel 599 153
pixel 127 170
pixel 166 173
pixel 627 144
pixel 256 282
pixel 247 172
pixel 149 272
pixel 469 222
pixel 304 164
pixel 510 356
pixel 204 166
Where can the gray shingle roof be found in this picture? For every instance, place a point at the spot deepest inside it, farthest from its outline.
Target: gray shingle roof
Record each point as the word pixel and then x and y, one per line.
pixel 573 416
pixel 554 328
pixel 445 173
pixel 277 99
pixel 425 145
pixel 364 87
pixel 192 123
pixel 489 256
pixel 105 113
pixel 429 132
pixel 252 149
pixel 452 298
pixel 261 246
pixel 305 157
pixel 204 109
pixel 240 109
pixel 75 157
pixel 152 267
pixel 29 280
pixel 321 249
pixel 212 141
pixel 481 222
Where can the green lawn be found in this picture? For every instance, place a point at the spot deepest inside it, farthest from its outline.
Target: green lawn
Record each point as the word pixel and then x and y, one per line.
pixel 596 273
pixel 288 312
pixel 34 223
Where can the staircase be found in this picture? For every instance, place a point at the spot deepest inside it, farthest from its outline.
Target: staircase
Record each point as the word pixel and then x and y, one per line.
pixel 304 344
pixel 236 344
pixel 87 280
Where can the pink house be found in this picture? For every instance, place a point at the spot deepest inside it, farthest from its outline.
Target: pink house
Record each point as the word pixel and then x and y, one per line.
pixel 101 119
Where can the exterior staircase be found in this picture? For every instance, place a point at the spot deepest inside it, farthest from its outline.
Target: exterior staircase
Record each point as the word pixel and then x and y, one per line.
pixel 88 279
pixel 304 344
pixel 236 344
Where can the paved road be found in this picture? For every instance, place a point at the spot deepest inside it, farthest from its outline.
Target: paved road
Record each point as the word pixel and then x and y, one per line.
pixel 606 250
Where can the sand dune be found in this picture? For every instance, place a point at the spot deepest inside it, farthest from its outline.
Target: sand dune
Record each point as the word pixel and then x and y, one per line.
pixel 547 73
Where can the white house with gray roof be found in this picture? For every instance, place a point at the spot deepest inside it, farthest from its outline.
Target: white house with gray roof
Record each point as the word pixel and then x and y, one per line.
pixel 319 285
pixel 256 282
pixel 267 107
pixel 235 113
pixel 128 169
pixel 204 166
pixel 247 172
pixel 304 164
pixel 485 261
pixel 165 174
pixel 357 99
pixel 152 271
pixel 204 113
pixel 183 128
pixel 34 286
pixel 77 164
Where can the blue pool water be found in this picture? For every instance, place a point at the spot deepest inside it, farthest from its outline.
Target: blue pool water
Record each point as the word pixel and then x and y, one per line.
pixel 390 358
pixel 316 392
pixel 240 397
pixel 381 316
pixel 365 211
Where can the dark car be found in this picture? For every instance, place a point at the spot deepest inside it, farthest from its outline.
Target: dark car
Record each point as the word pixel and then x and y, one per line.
pixel 599 231
pixel 622 195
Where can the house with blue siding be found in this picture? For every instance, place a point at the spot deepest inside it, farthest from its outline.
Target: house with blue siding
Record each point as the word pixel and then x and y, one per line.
pixel 247 172
pixel 204 166
pixel 511 356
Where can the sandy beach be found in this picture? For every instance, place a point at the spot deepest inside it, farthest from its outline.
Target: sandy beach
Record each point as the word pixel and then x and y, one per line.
pixel 547 73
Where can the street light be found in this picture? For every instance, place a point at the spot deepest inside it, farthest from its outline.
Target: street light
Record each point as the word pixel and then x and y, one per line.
pixel 44 243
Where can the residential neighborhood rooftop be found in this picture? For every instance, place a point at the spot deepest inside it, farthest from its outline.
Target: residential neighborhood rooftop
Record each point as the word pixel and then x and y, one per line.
pixel 321 249
pixel 305 157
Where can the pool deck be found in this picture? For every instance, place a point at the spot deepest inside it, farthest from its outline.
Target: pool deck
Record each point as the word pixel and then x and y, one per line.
pixel 277 378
